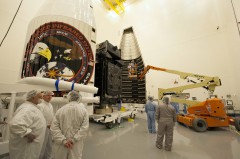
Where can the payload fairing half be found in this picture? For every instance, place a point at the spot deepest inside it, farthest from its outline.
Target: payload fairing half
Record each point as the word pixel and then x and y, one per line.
pixel 60 42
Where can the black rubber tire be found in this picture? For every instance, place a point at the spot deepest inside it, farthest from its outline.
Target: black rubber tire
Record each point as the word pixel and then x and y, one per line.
pixel 237 123
pixel 109 125
pixel 132 116
pixel 199 125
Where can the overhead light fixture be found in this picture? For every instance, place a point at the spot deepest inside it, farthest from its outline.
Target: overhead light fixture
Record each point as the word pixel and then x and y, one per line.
pixel 116 5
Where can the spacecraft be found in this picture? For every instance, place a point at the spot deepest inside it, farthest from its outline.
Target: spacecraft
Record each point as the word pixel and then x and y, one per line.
pixel 60 44
pixel 133 89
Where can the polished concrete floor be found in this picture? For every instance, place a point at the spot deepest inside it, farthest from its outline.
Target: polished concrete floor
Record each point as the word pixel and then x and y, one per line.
pixel 132 140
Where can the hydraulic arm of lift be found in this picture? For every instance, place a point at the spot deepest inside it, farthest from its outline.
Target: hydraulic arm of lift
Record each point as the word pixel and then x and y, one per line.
pixel 207 82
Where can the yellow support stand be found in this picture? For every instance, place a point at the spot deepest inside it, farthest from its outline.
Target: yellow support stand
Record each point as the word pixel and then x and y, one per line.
pixel 122 109
pixel 130 120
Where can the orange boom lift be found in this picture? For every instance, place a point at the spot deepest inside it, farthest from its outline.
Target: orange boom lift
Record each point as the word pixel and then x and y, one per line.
pixel 201 115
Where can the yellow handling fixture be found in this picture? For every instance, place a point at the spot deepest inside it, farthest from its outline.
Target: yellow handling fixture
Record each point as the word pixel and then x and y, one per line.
pixel 116 5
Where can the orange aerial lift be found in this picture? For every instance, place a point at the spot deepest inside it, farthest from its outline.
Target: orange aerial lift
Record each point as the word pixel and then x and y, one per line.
pixel 201 115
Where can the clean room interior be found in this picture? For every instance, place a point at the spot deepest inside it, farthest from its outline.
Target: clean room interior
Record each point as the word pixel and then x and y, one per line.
pixel 196 37
pixel 200 37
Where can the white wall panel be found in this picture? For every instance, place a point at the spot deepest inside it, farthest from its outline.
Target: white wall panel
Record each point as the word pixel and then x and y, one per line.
pixel 236 6
pixel 186 35
pixel 236 46
pixel 232 42
pixel 7 12
pixel 12 49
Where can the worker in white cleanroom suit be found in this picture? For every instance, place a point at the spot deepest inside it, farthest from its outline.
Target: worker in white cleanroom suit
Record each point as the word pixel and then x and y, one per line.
pixel 69 128
pixel 46 108
pixel 27 129
pixel 166 118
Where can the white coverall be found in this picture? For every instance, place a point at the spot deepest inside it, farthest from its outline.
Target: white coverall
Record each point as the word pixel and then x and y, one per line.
pixel 70 122
pixel 47 110
pixel 166 118
pixel 28 119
